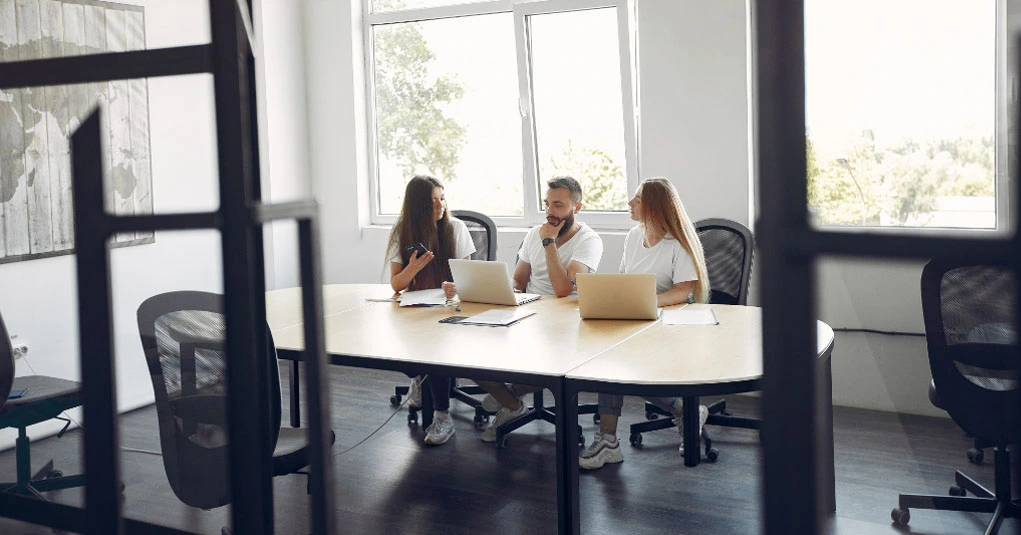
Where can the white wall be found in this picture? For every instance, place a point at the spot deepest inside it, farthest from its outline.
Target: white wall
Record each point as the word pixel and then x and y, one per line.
pixel 694 130
pixel 38 298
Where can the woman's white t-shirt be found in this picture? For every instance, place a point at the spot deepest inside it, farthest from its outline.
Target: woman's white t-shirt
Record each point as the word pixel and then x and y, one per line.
pixel 463 244
pixel 667 259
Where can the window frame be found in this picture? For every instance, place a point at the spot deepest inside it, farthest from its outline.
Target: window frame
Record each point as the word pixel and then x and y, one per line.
pixel 1005 81
pixel 520 10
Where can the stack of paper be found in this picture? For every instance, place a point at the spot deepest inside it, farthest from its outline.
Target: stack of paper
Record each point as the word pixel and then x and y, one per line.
pixel 434 297
pixel 497 317
pixel 687 316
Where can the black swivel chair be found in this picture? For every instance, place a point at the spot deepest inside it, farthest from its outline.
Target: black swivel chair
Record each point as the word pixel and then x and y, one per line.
pixel 182 338
pixel 484 235
pixel 728 247
pixel 44 399
pixel 971 337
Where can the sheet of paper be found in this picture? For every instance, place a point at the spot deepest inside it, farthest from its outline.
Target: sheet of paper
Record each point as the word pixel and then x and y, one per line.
pixel 687 316
pixel 424 297
pixel 497 316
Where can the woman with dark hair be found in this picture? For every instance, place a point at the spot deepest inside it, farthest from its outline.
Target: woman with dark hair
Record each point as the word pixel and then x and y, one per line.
pixel 424 221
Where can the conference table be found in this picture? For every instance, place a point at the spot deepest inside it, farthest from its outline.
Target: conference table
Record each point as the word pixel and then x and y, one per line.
pixel 554 349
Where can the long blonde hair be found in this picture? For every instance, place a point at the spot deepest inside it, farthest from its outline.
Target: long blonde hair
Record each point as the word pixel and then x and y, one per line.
pixel 662 210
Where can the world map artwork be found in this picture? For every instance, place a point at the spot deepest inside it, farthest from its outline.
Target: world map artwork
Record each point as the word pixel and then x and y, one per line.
pixel 36 212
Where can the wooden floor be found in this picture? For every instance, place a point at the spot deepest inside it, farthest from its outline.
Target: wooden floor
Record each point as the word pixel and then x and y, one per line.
pixel 394 484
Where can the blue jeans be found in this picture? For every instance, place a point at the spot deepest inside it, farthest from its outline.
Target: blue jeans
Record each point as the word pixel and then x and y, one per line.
pixel 612 403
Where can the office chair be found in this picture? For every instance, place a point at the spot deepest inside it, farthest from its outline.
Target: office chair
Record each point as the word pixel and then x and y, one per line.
pixel 971 338
pixel 44 399
pixel 728 247
pixel 484 235
pixel 182 336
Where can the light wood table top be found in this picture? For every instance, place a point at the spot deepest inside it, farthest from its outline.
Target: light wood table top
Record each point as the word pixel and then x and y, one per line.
pixel 690 354
pixel 283 307
pixel 551 342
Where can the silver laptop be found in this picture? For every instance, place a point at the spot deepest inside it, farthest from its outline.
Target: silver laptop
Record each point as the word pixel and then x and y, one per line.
pixel 482 281
pixel 617 296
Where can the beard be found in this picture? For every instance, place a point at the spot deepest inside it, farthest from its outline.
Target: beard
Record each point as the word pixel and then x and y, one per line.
pixel 568 223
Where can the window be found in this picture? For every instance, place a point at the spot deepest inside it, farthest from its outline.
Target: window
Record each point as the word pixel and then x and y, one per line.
pixel 494 98
pixel 902 103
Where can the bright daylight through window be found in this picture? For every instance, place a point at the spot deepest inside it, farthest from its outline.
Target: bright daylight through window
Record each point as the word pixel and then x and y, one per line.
pixel 494 98
pixel 901 113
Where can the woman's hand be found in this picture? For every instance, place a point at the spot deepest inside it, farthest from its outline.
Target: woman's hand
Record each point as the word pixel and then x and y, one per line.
pixel 449 289
pixel 416 262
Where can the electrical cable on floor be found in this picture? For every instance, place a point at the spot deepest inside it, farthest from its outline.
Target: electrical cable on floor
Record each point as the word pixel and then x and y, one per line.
pixel 359 443
pixel 382 425
pixel 876 331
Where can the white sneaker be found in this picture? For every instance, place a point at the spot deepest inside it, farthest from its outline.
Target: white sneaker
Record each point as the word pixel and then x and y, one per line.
pixel 441 429
pixel 703 415
pixel 415 392
pixel 503 416
pixel 601 451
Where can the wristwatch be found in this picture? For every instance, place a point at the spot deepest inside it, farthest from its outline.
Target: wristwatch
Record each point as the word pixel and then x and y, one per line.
pixel 548 241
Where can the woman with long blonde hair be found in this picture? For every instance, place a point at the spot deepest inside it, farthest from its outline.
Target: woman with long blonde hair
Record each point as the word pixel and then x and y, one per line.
pixel 665 244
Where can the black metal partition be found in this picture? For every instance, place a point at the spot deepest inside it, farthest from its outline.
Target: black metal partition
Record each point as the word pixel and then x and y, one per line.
pixel 792 465
pixel 240 217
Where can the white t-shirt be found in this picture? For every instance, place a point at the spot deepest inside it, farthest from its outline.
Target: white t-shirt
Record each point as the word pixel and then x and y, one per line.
pixel 463 244
pixel 585 247
pixel 667 260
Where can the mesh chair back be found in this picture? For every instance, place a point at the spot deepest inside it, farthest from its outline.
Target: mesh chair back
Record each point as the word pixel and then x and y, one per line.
pixel 6 364
pixel 971 338
pixel 182 336
pixel 483 233
pixel 728 250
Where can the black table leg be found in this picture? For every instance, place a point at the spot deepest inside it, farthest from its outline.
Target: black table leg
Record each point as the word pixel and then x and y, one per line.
pixel 568 502
pixel 692 445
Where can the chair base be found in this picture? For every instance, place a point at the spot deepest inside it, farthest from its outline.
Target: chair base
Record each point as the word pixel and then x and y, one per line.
pixel 46 479
pixel 658 418
pixel 538 411
pixel 999 503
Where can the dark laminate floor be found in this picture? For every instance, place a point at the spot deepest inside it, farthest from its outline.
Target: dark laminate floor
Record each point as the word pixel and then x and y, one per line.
pixel 394 484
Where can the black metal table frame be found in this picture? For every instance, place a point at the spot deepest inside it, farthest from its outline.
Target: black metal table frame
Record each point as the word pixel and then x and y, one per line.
pixel 565 396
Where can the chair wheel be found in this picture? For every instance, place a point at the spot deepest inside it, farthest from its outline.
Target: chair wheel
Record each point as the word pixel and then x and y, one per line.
pixel 651 416
pixel 726 413
pixel 712 454
pixel 976 455
pixel 581 441
pixel 636 439
pixel 395 400
pixel 54 474
pixel 480 421
pixel 901 517
pixel 412 418
pixel 595 419
pixel 502 443
pixel 956 490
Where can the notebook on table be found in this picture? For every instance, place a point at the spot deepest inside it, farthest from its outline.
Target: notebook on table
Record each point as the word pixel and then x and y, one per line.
pixel 484 281
pixel 618 296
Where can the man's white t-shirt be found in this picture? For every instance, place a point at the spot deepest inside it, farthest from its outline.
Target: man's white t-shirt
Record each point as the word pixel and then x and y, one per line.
pixel 463 244
pixel 667 260
pixel 585 247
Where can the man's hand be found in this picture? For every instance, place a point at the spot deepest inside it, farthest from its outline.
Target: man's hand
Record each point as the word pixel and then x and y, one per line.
pixel 548 230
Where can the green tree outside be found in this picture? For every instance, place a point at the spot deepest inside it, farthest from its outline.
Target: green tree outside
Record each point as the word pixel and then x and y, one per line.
pixel 601 177
pixel 413 131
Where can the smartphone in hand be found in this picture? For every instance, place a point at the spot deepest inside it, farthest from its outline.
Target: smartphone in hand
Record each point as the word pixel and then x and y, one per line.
pixel 419 248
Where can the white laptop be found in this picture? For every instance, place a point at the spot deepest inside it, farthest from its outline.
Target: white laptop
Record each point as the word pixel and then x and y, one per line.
pixel 482 281
pixel 617 296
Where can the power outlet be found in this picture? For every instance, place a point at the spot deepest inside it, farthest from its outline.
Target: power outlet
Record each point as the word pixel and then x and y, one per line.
pixel 20 347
